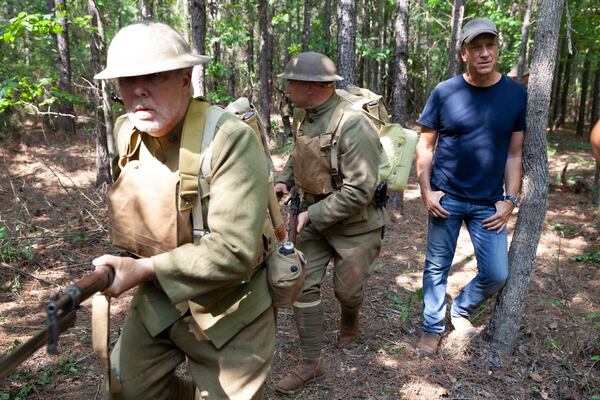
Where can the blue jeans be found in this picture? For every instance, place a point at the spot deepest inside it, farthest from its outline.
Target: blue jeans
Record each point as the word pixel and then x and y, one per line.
pixel 491 252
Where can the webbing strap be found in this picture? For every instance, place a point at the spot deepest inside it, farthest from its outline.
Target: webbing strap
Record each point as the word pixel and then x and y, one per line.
pixel 203 168
pixel 328 142
pixel 189 153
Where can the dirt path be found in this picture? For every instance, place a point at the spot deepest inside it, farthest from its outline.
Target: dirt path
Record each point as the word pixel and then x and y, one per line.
pixel 52 223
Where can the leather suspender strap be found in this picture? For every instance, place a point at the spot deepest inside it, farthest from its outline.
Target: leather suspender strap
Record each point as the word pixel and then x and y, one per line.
pixel 101 341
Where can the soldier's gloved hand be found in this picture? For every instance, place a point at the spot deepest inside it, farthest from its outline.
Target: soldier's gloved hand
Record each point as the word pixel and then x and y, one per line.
pixel 129 272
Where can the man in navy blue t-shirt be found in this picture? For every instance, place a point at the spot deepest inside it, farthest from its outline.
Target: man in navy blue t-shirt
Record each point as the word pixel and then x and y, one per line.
pixel 472 175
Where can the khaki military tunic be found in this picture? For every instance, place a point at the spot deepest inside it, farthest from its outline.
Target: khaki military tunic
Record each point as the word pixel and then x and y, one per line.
pixel 210 302
pixel 345 226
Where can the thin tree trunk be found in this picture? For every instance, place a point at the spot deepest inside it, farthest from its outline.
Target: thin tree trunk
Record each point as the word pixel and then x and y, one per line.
pixel 364 23
pixel 199 44
pixel 400 82
pixel 584 90
pixel 565 91
pixel 457 17
pixel 327 26
pixel 346 38
pixel 401 62
pixel 306 31
pixel 595 98
pixel 264 64
pixel 522 60
pixel 103 175
pixel 65 107
pixel 503 329
pixel 557 83
pixel 147 9
pixel 250 55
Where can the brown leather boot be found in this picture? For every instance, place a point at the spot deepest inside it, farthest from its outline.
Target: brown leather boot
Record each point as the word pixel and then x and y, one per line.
pixel 309 370
pixel 428 343
pixel 348 327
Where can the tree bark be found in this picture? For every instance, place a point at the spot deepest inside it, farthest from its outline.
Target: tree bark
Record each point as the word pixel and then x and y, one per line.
pixel 557 83
pixel 565 91
pixel 522 60
pixel 595 98
pixel 103 175
pixel 503 328
pixel 401 58
pixel 306 30
pixel 327 26
pixel 199 44
pixel 457 17
pixel 65 107
pixel 584 91
pixel 346 38
pixel 147 9
pixel 265 64
pixel 250 55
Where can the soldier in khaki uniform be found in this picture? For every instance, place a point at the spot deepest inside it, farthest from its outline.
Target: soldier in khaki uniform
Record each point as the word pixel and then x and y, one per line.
pixel 339 221
pixel 205 301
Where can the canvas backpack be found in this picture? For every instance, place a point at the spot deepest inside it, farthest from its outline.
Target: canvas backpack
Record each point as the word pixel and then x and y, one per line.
pixel 398 143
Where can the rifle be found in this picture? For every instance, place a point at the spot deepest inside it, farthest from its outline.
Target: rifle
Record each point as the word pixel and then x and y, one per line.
pixel 60 315
pixel 294 201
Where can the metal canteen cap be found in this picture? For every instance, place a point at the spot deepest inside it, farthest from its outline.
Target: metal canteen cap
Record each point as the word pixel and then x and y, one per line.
pixel 311 67
pixel 147 48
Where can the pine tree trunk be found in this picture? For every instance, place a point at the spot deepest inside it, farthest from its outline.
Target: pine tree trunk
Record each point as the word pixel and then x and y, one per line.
pixel 327 26
pixel 250 56
pixel 264 64
pixel 584 90
pixel 103 175
pixel 557 84
pixel 306 30
pixel 595 98
pixel 401 61
pixel 147 9
pixel 199 44
pixel 65 107
pixel 503 329
pixel 565 91
pixel 346 38
pixel 457 17
pixel 522 61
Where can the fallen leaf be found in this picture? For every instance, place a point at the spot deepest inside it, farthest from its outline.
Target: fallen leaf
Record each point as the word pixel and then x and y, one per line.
pixel 536 377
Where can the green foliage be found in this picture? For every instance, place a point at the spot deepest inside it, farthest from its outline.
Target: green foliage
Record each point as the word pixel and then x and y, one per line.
pixel 592 257
pixel 402 303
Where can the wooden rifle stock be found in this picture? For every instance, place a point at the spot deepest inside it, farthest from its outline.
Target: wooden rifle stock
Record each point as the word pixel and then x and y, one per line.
pixel 60 315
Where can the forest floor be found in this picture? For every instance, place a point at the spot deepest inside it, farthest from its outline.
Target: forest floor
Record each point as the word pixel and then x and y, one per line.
pixel 53 223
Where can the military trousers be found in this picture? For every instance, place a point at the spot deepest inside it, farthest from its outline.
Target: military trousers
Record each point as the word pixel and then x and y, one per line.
pixel 352 256
pixel 145 365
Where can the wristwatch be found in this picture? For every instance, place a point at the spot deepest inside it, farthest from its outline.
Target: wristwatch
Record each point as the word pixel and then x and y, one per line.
pixel 512 199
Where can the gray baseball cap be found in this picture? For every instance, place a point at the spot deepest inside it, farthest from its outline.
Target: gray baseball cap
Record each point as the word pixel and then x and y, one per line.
pixel 476 27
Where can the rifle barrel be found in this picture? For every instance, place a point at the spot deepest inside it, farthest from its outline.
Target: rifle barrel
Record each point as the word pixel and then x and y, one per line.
pixel 9 363
pixel 60 312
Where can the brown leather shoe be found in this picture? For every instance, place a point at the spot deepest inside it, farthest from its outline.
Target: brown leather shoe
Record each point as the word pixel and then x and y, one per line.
pixel 463 327
pixel 348 328
pixel 308 370
pixel 428 343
